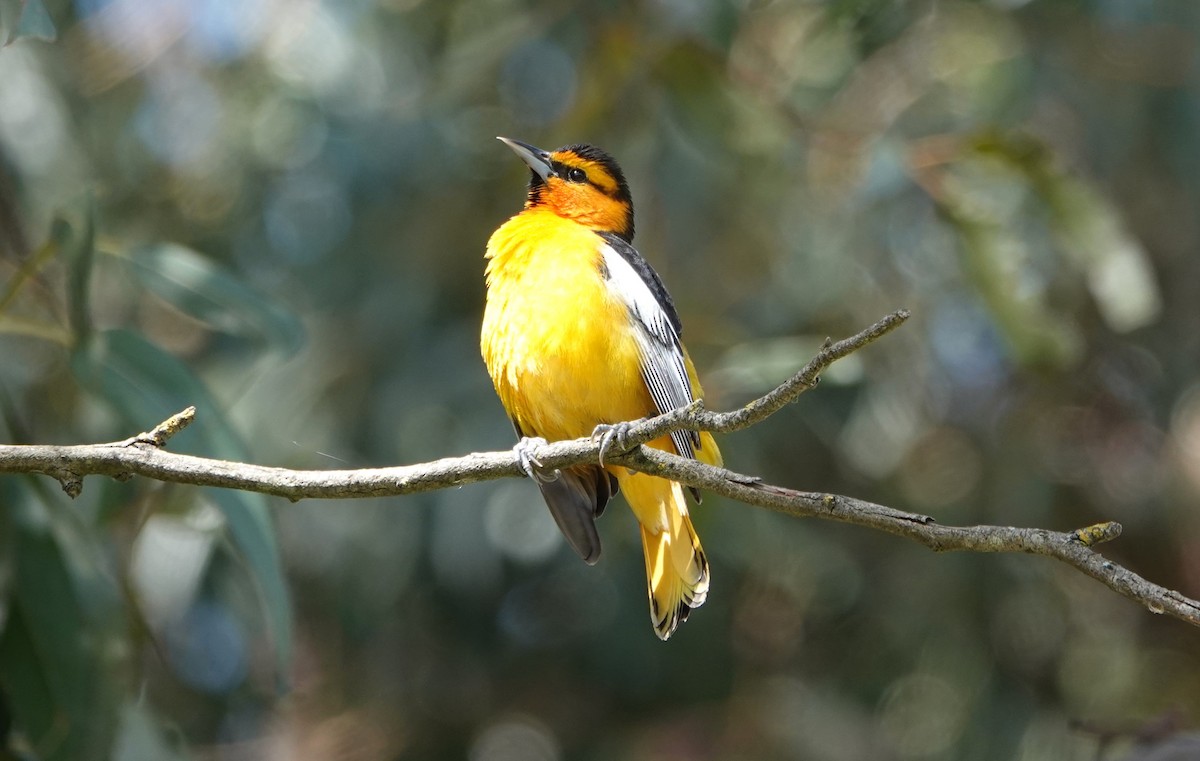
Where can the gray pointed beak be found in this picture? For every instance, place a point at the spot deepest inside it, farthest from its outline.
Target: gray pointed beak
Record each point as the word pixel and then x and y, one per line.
pixel 537 159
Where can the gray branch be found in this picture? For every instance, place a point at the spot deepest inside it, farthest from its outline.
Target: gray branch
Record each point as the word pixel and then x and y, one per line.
pixel 144 455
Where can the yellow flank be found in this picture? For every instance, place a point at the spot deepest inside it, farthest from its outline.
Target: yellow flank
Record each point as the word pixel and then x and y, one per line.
pixel 560 347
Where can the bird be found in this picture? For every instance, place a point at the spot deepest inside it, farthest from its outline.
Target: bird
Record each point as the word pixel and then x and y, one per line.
pixel 580 337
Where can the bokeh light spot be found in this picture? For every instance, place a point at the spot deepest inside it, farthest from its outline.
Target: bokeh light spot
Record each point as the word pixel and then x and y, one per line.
pixel 552 609
pixel 463 558
pixel 179 121
pixel 307 216
pixel 966 344
pixel 32 122
pixel 208 649
pixel 923 715
pixel 224 30
pixel 538 83
pixel 1097 675
pixel 287 135
pixel 310 48
pixel 516 738
pixel 1185 433
pixel 942 467
pixel 519 525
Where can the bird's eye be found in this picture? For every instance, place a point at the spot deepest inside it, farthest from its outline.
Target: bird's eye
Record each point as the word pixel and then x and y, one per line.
pixel 575 174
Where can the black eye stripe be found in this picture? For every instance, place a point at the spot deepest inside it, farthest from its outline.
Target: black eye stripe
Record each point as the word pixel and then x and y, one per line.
pixel 570 173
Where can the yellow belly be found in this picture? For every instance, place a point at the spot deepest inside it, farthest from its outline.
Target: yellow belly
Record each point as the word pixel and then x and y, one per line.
pixel 558 345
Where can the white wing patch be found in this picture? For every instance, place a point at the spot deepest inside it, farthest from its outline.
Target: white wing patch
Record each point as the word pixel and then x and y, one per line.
pixel 663 368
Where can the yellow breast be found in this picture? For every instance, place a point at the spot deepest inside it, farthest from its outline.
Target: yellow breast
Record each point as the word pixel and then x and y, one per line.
pixel 557 343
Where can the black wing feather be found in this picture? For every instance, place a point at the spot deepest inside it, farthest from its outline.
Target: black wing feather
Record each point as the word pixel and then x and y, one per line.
pixel 663 367
pixel 576 498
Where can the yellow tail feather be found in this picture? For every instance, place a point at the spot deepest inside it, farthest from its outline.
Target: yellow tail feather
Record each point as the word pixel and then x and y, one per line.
pixel 676 567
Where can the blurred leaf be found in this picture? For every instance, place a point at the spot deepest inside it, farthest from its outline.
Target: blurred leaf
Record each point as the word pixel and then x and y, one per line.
pixel 141 739
pixel 63 648
pixel 35 23
pixel 1183 747
pixel 204 290
pixel 25 19
pixel 10 16
pixel 23 678
pixel 59 232
pixel 755 367
pixel 80 251
pixel 1037 336
pixel 1118 271
pixel 146 385
pixel 1089 228
pixel 18 326
pixel 253 533
pixel 983 196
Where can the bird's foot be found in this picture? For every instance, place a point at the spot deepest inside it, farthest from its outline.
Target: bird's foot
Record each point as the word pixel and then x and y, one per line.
pixel 526 452
pixel 610 435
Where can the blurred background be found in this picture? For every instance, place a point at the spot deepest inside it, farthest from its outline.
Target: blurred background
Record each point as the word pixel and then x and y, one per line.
pixel 276 210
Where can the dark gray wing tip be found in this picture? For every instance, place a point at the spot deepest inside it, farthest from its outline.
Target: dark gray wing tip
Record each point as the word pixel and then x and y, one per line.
pixel 575 498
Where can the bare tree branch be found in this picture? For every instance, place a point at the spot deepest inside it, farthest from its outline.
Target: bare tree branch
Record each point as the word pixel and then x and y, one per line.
pixel 143 455
pixel 1073 548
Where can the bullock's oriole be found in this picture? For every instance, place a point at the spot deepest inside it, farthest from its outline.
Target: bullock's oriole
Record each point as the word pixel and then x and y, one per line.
pixel 579 336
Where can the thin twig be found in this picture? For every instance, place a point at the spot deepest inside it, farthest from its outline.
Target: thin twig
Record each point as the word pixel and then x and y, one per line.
pixel 161 433
pixel 695 417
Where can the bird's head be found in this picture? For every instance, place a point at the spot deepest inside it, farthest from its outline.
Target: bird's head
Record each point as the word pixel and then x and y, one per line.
pixel 578 182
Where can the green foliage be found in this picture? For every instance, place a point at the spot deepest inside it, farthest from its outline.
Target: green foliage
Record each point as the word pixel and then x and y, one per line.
pixel 64 651
pixel 66 654
pixel 203 290
pixel 25 19
pixel 277 212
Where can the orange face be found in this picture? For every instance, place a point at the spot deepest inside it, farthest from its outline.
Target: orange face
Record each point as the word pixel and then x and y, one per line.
pixel 581 183
pixel 586 191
